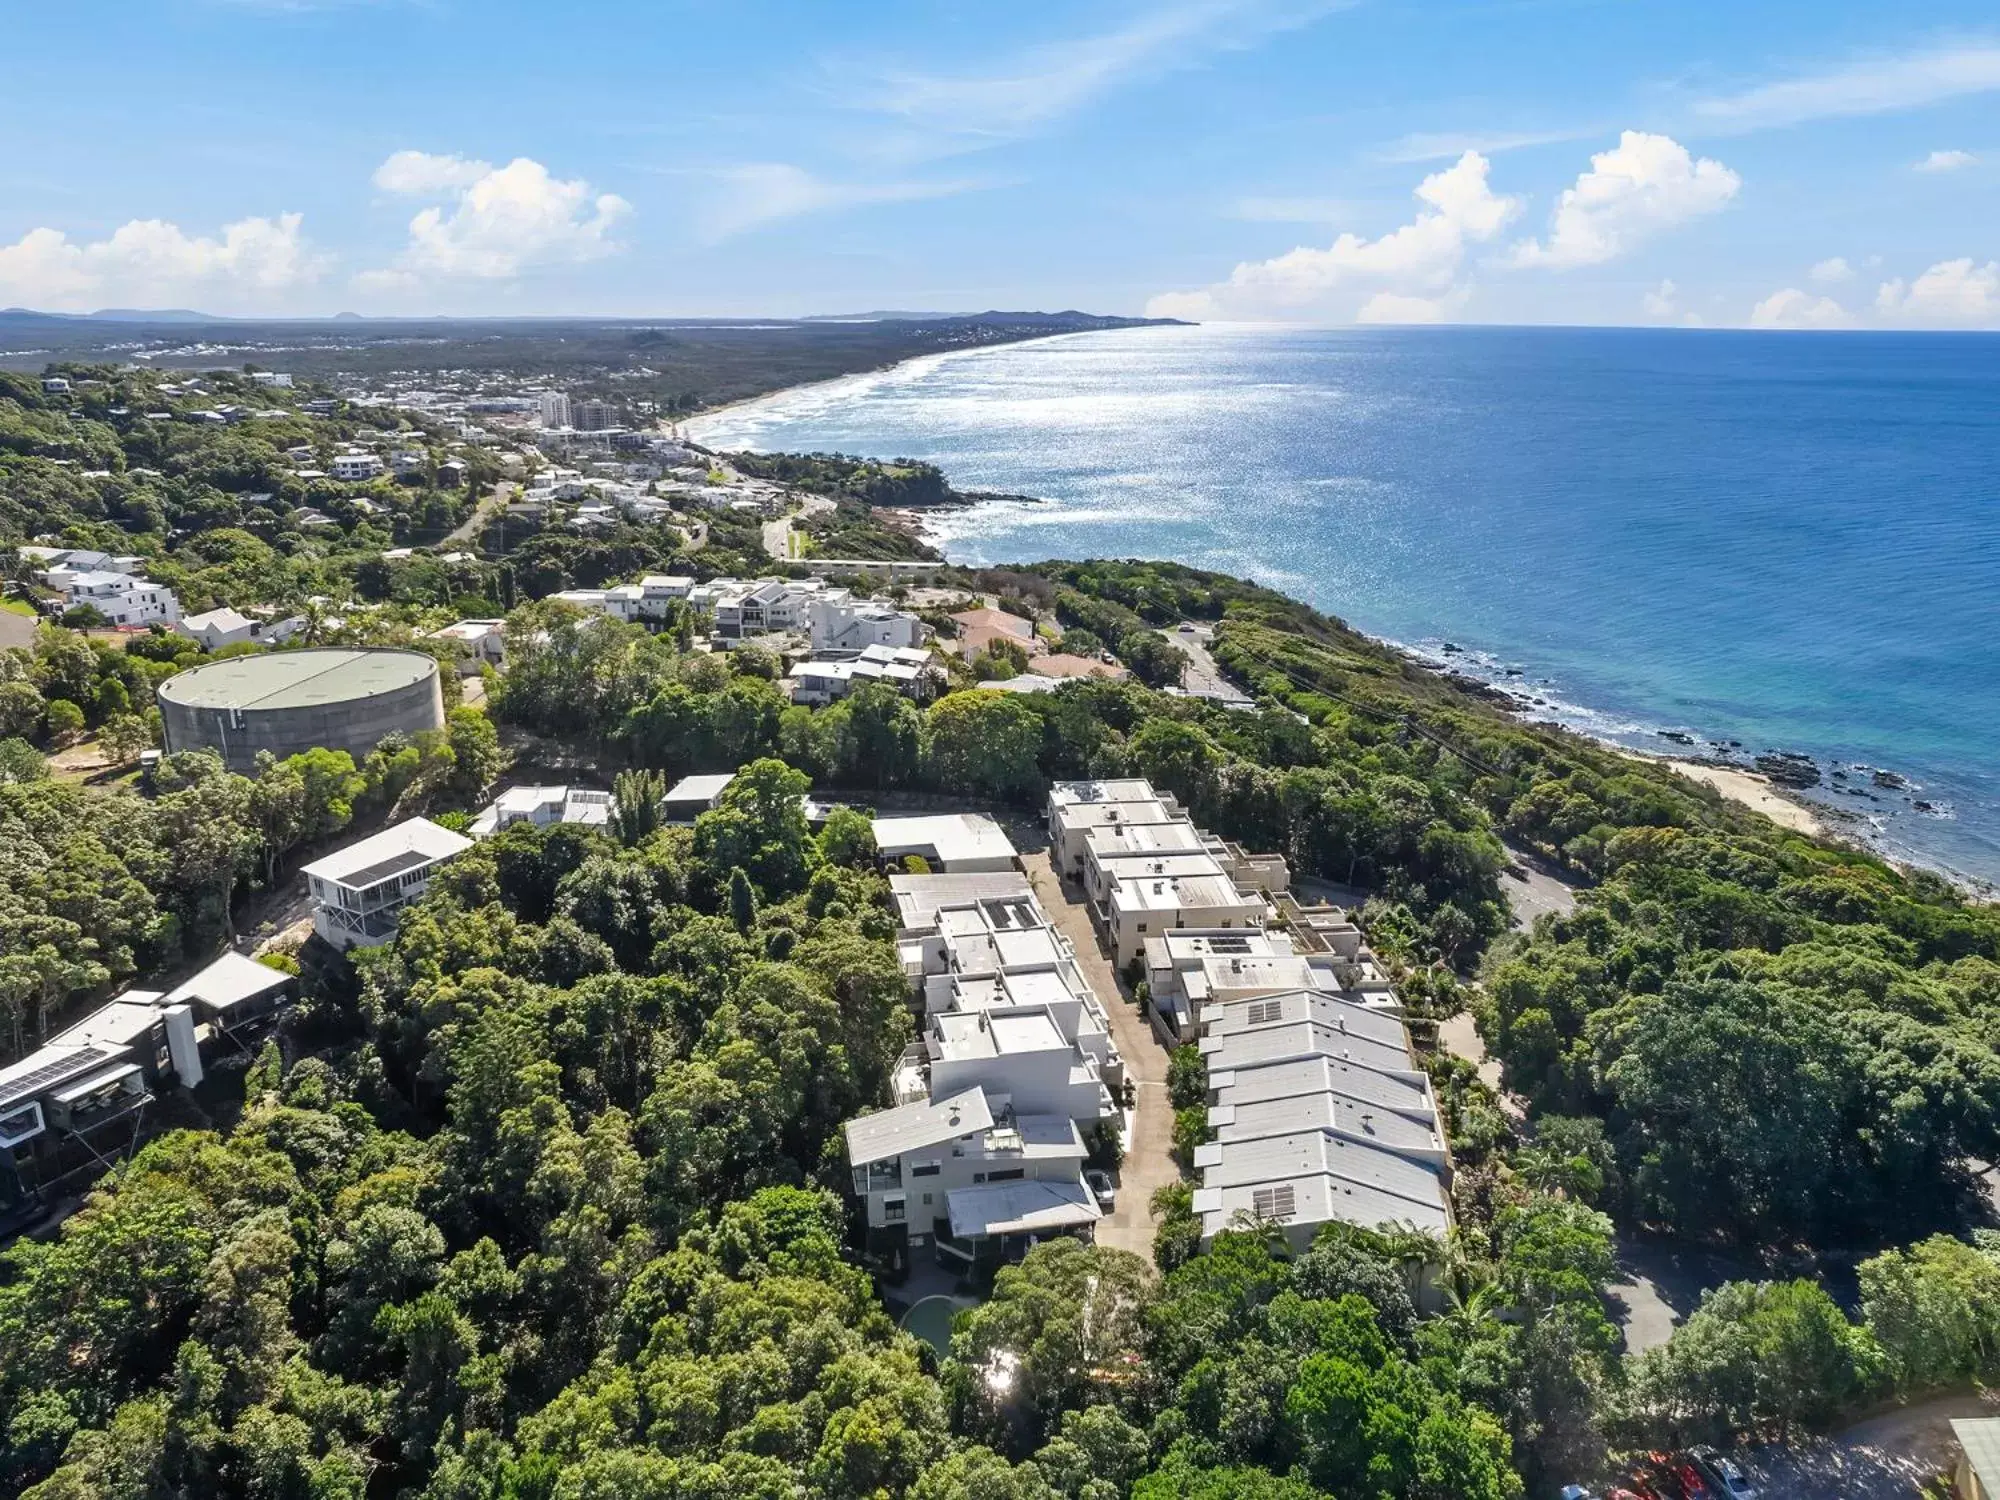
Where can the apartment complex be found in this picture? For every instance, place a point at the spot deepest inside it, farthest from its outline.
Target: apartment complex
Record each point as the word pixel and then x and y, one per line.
pixel 1319 1108
pixel 983 1153
pixel 1148 870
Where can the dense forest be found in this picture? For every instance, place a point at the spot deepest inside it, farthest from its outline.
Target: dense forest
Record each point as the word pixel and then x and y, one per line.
pixel 541 1200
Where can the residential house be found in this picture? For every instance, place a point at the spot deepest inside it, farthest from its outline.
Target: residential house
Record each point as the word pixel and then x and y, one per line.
pixel 122 599
pixel 543 806
pixel 217 628
pixel 481 643
pixel 969 1174
pixel 358 893
pixel 356 467
pixel 691 796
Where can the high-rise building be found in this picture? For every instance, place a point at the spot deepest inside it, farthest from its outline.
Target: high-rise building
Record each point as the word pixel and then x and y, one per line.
pixel 555 409
pixel 593 415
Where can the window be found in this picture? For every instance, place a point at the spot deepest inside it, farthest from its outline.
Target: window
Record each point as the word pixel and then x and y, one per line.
pixel 885 1174
pixel 893 1210
pixel 1274 1202
pixel 926 1168
pixel 1011 1174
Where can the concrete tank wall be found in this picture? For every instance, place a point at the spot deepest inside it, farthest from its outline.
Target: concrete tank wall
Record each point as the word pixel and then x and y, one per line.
pixel 356 725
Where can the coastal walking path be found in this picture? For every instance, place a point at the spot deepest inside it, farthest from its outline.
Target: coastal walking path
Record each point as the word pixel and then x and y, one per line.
pixel 1149 1163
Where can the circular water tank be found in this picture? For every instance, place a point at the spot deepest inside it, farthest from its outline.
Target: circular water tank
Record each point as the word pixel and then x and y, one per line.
pixel 289 701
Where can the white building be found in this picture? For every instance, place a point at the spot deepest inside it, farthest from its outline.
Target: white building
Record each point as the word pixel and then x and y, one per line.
pixel 950 843
pixel 483 642
pixel 908 669
pixel 691 796
pixel 355 467
pixel 1148 870
pixel 217 628
pixel 837 621
pixel 555 412
pixel 967 1173
pixel 359 892
pixel 121 598
pixel 542 806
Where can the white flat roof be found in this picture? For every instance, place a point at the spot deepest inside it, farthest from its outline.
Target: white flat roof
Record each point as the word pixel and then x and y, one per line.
pixel 955 836
pixel 704 788
pixel 415 837
pixel 919 897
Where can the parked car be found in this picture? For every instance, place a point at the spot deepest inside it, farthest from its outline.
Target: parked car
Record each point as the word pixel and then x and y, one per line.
pixel 1722 1472
pixel 1577 1492
pixel 1102 1188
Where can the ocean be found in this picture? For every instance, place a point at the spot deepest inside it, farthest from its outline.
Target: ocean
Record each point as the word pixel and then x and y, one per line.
pixel 1791 541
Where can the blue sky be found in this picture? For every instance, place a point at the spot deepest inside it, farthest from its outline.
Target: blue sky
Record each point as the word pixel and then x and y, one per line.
pixel 1783 164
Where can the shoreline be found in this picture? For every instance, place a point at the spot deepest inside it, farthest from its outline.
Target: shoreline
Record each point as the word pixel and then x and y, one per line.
pixel 1742 785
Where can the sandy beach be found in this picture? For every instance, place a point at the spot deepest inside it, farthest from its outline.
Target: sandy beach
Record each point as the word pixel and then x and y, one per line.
pixel 1753 791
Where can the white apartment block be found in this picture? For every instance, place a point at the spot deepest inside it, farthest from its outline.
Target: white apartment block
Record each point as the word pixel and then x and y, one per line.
pixel 1146 868
pixel 554 410
pixel 983 1153
pixel 356 467
pixel 358 893
pixel 1195 967
pixel 120 597
pixel 967 1173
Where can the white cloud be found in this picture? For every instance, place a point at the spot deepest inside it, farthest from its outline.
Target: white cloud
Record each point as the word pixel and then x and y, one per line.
pixel 968 110
pixel 1947 161
pixel 497 222
pixel 151 263
pixel 1951 294
pixel 1642 186
pixel 1792 308
pixel 1872 86
pixel 759 193
pixel 1409 274
pixel 1659 303
pixel 420 174
pixel 1832 271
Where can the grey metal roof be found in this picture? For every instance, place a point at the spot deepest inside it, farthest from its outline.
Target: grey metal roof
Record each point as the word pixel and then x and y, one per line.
pixel 297 679
pixel 1980 1438
pixel 230 981
pixel 912 1127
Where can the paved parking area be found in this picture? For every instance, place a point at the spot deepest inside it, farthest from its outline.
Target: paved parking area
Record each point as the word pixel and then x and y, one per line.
pixel 1149 1162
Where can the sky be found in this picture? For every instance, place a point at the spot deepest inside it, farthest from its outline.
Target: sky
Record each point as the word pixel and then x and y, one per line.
pixel 1766 163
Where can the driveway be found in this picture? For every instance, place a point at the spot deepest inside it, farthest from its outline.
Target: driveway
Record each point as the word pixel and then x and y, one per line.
pixel 482 513
pixel 1149 1162
pixel 1890 1457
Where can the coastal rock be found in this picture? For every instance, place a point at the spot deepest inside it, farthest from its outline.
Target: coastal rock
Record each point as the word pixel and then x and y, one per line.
pixel 1789 768
pixel 1678 736
pixel 1890 780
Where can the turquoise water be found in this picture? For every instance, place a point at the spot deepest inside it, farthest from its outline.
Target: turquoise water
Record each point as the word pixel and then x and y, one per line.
pixel 1787 540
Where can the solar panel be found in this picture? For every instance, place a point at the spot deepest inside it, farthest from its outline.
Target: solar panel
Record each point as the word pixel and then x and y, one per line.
pixel 1274 1202
pixel 59 1070
pixel 382 869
